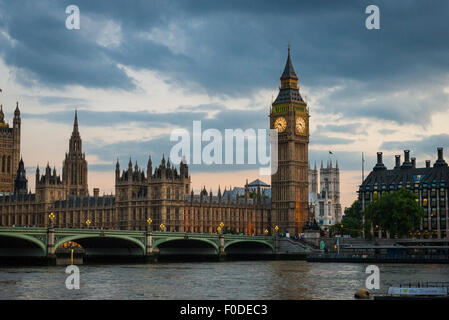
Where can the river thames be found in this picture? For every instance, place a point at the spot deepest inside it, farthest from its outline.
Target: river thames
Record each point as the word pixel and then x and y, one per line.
pixel 226 280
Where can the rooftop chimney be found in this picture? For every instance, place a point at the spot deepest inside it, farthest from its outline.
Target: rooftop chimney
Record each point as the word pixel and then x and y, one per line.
pixel 96 192
pixel 440 161
pixel 406 164
pixel 406 156
pixel 398 161
pixel 413 162
pixel 379 165
pixel 427 163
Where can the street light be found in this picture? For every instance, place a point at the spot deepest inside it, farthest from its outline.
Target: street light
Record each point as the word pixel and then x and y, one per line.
pixel 149 222
pixel 162 226
pixel 265 231
pixel 52 217
pixel 220 227
pixel 88 223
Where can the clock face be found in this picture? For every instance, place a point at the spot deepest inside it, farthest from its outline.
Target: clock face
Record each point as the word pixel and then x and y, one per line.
pixel 300 125
pixel 280 124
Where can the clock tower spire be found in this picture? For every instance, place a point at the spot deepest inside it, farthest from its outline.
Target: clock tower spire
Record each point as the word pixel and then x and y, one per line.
pixel 289 115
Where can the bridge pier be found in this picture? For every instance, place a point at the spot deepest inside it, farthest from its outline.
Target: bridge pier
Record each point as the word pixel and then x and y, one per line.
pixel 276 245
pixel 150 254
pixel 51 250
pixel 221 253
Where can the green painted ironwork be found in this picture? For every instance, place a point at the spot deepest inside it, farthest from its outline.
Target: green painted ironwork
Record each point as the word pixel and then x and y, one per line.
pixel 38 236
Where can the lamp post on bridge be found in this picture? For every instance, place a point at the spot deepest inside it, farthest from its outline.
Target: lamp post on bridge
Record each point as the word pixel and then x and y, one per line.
pixel 149 254
pixel 276 239
pixel 51 253
pixel 220 227
pixel 51 216
pixel 222 253
pixel 88 223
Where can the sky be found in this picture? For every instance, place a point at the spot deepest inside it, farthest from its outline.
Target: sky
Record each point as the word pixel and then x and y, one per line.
pixel 136 70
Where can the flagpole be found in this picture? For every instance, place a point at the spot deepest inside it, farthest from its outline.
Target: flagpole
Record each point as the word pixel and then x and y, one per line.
pixel 363 169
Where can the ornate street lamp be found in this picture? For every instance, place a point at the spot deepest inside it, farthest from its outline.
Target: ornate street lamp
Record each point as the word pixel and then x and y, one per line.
pixel 220 227
pixel 276 228
pixel 52 217
pixel 162 226
pixel 265 231
pixel 88 223
pixel 149 222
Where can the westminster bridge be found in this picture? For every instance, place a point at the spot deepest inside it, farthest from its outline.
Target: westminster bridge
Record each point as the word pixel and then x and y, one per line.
pixel 48 243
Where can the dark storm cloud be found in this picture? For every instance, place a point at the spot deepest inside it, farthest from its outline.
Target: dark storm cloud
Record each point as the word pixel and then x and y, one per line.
pixel 44 51
pixel 236 47
pixel 232 49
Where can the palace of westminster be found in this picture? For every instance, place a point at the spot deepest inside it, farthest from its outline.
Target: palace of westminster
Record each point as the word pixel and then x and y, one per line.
pixel 164 193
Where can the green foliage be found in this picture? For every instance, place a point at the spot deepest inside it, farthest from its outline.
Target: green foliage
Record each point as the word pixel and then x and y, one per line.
pixel 352 220
pixel 397 212
pixel 351 223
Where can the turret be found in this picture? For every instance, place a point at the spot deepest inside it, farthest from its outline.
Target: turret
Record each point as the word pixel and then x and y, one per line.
pixel 117 170
pixel 48 170
pixel 21 182
pixel 219 194
pixel 37 174
pixel 74 168
pixel 149 167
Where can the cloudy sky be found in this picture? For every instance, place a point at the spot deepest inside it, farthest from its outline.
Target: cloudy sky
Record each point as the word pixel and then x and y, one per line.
pixel 136 70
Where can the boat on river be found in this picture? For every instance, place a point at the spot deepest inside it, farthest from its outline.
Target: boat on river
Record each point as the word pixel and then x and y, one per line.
pixel 418 291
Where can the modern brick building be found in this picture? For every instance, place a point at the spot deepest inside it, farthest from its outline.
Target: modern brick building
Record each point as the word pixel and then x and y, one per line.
pixel 429 183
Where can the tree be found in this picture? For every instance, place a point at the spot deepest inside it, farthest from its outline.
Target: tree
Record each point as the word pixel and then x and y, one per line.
pixel 351 222
pixel 397 212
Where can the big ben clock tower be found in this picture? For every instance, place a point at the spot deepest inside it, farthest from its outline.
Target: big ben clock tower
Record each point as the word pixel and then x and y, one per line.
pixel 289 115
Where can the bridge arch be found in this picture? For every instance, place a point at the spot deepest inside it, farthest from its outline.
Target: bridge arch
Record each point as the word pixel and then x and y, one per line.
pixel 87 236
pixel 232 242
pixel 165 240
pixel 26 237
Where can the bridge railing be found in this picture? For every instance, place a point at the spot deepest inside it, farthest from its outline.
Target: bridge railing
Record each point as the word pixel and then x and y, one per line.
pixel 136 232
pixel 15 229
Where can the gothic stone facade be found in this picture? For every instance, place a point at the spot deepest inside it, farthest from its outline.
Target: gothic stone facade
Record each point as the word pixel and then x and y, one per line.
pixel 164 194
pixel 9 150
pixel 325 205
pixel 290 116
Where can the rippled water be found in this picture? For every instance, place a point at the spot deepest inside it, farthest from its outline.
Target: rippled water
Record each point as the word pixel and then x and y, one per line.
pixel 226 280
